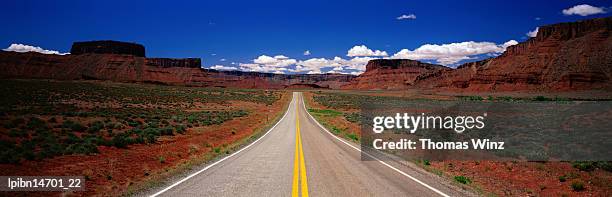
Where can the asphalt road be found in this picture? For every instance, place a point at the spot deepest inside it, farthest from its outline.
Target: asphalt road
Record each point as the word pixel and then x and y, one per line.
pixel 298 157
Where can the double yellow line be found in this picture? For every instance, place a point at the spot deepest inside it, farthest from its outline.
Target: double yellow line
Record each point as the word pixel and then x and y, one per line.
pixel 299 167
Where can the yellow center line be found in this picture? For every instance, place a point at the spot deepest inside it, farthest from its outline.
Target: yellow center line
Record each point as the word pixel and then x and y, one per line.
pixel 299 166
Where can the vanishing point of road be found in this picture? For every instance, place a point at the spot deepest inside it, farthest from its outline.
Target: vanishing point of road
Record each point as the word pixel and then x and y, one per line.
pixel 297 157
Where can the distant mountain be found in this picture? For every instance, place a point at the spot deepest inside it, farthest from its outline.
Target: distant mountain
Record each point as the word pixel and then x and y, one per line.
pixel 393 74
pixel 133 68
pixel 562 57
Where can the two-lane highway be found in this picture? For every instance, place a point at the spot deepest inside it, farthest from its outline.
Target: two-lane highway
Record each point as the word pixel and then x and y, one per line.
pixel 297 157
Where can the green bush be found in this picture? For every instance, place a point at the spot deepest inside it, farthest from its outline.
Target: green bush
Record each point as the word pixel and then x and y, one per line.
pixel 180 129
pixel 584 165
pixel 36 123
pixel 74 126
pixel 120 141
pixel 325 112
pixel 577 186
pixel 353 117
pixel 541 98
pixel 353 137
pixel 167 131
pixel 463 180
pixel 95 127
pixel 562 178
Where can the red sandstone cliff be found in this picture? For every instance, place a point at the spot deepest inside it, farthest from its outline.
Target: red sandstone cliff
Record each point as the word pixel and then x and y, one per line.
pixel 392 74
pixel 129 68
pixel 565 56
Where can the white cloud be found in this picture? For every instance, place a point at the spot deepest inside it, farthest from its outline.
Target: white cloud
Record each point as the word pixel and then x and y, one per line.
pixel 533 33
pixel 362 50
pixel 537 18
pixel 276 61
pixel 403 17
pixel 447 54
pixel 27 48
pixel 221 67
pixel 307 52
pixel 222 59
pixel 584 10
pixel 338 64
pixel 268 64
pixel 509 43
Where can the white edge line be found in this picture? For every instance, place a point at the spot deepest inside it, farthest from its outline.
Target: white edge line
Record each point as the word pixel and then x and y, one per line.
pixel 221 160
pixel 382 162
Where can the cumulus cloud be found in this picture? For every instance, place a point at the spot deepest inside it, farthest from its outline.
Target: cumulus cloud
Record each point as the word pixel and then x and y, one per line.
pixel 276 61
pixel 404 17
pixel 445 54
pixel 362 50
pixel 222 59
pixel 533 33
pixel 307 52
pixel 27 48
pixel 584 10
pixel 509 43
pixel 221 67
pixel 448 54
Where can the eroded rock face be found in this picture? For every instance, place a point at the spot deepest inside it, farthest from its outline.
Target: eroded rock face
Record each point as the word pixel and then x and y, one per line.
pixel 108 47
pixel 175 62
pixel 129 68
pixel 562 57
pixel 392 74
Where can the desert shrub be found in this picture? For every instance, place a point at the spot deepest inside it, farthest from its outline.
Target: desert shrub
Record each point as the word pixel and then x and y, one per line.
pixel 180 129
pixel 86 148
pixel 14 123
pixel 72 139
pixel 167 131
pixel 352 117
pixel 426 162
pixel 471 98
pixel 562 178
pixel 541 98
pixel 17 133
pixel 139 139
pixel 161 159
pixel 577 186
pixel 133 123
pixel 120 141
pixel 217 149
pixel 605 165
pixel 8 152
pixel 584 165
pixel 95 127
pixel 463 180
pixel 325 112
pixel 335 130
pixel 36 123
pixel 74 126
pixel 353 137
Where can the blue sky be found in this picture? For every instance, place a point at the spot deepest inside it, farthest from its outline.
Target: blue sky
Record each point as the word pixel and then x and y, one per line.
pixel 222 32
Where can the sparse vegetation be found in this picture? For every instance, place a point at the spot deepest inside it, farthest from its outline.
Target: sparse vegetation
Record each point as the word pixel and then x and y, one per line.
pixel 463 179
pixel 47 119
pixel 577 186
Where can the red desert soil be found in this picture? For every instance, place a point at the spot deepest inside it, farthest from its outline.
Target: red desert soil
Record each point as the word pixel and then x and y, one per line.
pixel 503 178
pixel 113 171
